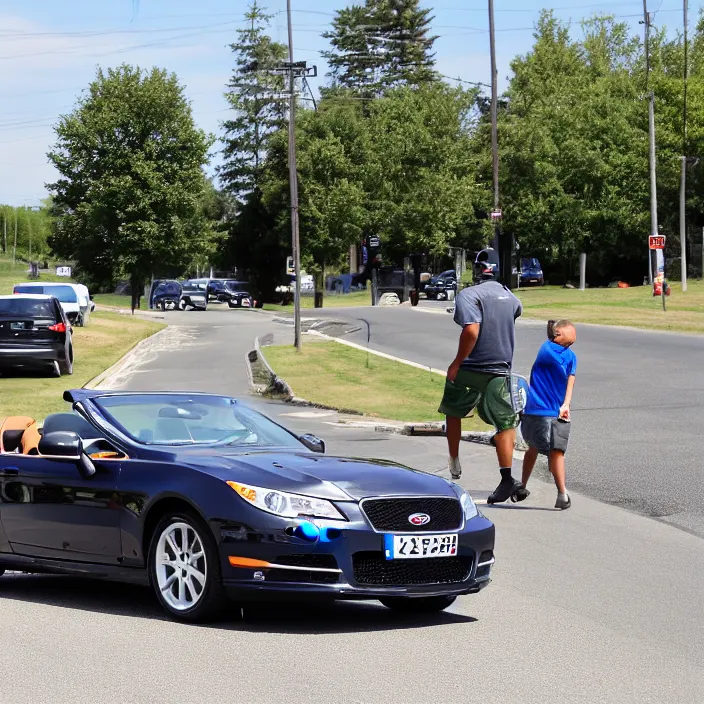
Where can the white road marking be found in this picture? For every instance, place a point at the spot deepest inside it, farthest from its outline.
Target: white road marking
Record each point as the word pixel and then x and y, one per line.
pixel 309 414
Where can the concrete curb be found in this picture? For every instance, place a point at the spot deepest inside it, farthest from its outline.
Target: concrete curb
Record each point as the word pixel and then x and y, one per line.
pixel 423 429
pixel 124 360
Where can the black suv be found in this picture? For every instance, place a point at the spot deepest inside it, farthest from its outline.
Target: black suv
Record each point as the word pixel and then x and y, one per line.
pixel 439 286
pixel 35 333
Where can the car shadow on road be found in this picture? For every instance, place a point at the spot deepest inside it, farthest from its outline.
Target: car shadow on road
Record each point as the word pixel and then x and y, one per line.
pixel 286 618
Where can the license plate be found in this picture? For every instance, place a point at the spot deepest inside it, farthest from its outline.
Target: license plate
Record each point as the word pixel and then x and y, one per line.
pixel 410 547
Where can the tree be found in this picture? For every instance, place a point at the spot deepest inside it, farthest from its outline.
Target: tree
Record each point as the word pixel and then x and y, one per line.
pixel 381 45
pixel 255 96
pixel 408 47
pixel 130 160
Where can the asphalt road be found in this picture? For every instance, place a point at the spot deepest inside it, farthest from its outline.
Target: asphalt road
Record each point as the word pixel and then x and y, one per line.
pixel 593 605
pixel 638 407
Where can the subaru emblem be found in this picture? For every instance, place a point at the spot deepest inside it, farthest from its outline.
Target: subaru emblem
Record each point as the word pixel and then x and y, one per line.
pixel 419 519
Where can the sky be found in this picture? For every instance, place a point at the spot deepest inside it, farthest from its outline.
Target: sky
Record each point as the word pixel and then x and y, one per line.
pixel 49 52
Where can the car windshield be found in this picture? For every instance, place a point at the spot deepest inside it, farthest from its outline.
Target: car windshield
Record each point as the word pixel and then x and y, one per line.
pixel 237 285
pixel 66 294
pixel 192 286
pixel 181 419
pixel 530 263
pixel 171 288
pixel 27 308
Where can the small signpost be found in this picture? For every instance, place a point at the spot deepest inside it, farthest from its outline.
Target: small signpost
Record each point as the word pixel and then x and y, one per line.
pixel 660 286
pixel 496 214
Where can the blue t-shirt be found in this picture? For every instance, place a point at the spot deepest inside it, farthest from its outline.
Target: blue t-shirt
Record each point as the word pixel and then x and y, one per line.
pixel 548 379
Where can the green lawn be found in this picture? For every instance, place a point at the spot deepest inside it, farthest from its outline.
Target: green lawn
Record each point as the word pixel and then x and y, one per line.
pixel 343 377
pixel 634 306
pixel 114 300
pixel 96 347
pixel 11 274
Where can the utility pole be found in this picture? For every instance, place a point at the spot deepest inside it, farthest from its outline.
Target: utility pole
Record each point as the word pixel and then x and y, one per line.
pixel 14 249
pixel 683 177
pixel 293 182
pixel 494 125
pixel 651 141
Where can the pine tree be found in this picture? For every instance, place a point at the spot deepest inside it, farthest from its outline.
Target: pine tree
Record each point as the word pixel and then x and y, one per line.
pixel 356 56
pixel 404 31
pixel 255 96
pixel 383 44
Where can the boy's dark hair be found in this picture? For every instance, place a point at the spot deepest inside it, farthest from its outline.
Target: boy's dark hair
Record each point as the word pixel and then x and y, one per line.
pixel 554 325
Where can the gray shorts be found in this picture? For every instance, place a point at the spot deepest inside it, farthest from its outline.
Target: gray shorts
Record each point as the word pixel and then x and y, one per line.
pixel 545 433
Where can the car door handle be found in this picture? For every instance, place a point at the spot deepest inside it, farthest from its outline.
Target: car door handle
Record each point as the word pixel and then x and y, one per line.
pixel 9 472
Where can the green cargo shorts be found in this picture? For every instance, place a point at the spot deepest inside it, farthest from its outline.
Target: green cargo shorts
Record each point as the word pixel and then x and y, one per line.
pixel 488 393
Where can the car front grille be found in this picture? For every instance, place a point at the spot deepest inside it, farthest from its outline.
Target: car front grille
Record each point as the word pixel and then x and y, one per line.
pixel 307 576
pixel 374 568
pixel 393 514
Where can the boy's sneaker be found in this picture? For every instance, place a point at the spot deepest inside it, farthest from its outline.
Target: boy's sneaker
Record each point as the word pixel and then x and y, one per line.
pixel 508 489
pixel 563 501
pixel 455 467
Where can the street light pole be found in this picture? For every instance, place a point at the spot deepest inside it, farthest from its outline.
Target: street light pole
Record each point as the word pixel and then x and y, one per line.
pixel 683 177
pixel 651 142
pixel 494 121
pixel 293 179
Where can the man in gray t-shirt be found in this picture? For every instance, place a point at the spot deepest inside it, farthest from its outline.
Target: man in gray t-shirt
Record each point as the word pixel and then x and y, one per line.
pixel 478 376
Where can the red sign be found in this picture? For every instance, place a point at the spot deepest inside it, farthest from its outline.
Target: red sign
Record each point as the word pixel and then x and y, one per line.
pixel 496 215
pixel 656 242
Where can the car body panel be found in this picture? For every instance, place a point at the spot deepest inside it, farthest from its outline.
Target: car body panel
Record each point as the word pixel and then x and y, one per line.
pixel 54 519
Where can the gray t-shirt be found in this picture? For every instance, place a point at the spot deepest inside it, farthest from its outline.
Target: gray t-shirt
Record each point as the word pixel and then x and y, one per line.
pixel 493 306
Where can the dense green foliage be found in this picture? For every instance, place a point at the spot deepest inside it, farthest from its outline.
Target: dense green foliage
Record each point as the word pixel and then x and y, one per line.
pixel 32 227
pixel 390 149
pixel 129 200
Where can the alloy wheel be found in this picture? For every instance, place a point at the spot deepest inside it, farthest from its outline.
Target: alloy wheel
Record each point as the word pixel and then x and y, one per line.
pixel 181 566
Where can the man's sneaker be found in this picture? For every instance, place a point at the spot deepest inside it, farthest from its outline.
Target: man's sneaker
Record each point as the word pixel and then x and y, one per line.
pixel 563 501
pixel 508 489
pixel 455 467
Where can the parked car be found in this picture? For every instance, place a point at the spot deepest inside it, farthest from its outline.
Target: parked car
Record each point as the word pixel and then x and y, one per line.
pixel 486 260
pixel 35 333
pixel 194 295
pixel 439 286
pixel 241 297
pixel 75 305
pixel 531 272
pixel 202 498
pixel 165 295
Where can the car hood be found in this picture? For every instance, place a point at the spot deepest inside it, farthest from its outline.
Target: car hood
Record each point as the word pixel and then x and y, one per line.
pixel 326 477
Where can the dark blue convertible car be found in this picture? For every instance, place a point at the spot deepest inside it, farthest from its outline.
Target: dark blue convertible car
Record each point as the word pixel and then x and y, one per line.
pixel 203 498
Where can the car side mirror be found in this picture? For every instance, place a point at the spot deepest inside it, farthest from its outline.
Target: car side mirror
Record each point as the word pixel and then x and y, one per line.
pixel 68 445
pixel 313 443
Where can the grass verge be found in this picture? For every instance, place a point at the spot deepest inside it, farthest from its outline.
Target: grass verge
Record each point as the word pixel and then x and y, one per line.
pixel 17 273
pixel 115 300
pixel 343 377
pixel 96 347
pixel 634 307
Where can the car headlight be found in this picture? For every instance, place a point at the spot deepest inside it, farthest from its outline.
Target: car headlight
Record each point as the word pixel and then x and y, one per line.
pixel 282 503
pixel 468 506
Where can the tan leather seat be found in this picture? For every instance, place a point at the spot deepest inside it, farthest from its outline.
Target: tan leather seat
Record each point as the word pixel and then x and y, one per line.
pixel 15 423
pixel 30 440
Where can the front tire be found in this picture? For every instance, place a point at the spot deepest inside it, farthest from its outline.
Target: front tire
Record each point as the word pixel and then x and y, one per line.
pixel 184 569
pixel 420 605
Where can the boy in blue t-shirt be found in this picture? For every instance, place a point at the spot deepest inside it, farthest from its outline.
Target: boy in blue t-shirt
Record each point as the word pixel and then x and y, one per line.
pixel 545 425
